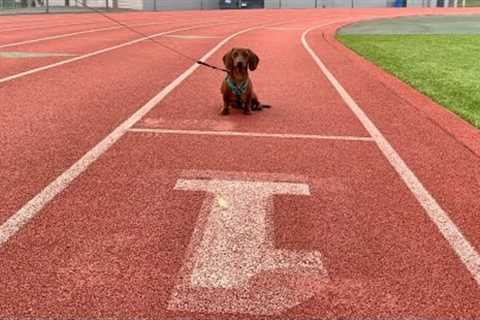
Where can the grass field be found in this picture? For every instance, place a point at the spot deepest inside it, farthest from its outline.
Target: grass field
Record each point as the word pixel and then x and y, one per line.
pixel 472 3
pixel 444 67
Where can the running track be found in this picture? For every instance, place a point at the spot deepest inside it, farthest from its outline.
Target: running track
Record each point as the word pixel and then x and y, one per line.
pixel 125 195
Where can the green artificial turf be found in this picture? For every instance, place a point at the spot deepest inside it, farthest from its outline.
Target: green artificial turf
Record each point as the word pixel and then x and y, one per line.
pixel 444 67
pixel 471 3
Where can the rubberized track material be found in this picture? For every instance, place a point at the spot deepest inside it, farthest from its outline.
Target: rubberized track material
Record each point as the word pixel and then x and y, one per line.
pixel 126 195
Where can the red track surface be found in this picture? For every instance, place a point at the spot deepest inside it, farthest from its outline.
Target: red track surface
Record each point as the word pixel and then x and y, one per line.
pixel 118 241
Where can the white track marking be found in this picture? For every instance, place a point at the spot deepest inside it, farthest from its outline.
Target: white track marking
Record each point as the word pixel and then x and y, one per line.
pixel 244 176
pixel 26 54
pixel 66 35
pixel 95 53
pixel 285 29
pixel 462 247
pixel 192 37
pixel 232 251
pixel 238 208
pixel 249 134
pixel 31 208
pixel 47 26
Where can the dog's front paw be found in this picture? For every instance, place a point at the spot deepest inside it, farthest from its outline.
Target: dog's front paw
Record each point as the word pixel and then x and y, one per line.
pixel 225 112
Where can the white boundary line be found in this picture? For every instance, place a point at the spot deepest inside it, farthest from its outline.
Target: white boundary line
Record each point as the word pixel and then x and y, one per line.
pixel 445 225
pixel 95 53
pixel 47 25
pixel 192 37
pixel 33 207
pixel 286 29
pixel 249 134
pixel 66 35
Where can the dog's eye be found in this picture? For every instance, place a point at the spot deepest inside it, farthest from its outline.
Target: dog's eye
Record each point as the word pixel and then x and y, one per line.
pixel 235 54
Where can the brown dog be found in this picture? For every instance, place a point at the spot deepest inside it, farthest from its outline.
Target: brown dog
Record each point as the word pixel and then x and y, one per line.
pixel 237 88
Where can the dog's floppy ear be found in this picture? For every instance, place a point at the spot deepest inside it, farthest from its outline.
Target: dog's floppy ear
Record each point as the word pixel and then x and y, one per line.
pixel 228 60
pixel 253 60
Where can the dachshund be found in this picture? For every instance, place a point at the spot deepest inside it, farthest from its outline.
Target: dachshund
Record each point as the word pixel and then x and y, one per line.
pixel 237 88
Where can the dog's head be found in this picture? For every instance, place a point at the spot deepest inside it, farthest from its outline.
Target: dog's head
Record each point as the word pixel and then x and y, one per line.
pixel 240 59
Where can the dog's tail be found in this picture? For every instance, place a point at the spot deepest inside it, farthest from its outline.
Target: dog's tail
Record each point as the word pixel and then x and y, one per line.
pixel 256 105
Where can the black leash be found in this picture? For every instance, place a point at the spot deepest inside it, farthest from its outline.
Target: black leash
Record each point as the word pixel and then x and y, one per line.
pixel 150 38
pixel 212 67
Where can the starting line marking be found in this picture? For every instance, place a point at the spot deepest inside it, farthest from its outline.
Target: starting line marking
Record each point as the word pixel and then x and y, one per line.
pixel 249 134
pixel 462 247
pixel 232 265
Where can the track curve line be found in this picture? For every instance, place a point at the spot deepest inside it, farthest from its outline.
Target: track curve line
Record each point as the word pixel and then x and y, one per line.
pixel 461 246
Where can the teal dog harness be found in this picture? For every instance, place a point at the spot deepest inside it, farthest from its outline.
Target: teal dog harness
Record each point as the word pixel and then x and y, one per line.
pixel 237 90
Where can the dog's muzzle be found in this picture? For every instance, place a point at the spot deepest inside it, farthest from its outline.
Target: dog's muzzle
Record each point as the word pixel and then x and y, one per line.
pixel 241 65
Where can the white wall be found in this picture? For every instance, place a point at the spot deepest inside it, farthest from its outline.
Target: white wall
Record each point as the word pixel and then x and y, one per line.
pixel 370 3
pixel 329 3
pixel 337 3
pixel 181 4
pixel 421 3
pixel 214 4
pixel 272 4
pixel 298 3
pixel 90 3
pixel 130 4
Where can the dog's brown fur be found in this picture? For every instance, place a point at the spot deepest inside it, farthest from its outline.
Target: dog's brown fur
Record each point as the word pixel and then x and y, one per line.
pixel 238 61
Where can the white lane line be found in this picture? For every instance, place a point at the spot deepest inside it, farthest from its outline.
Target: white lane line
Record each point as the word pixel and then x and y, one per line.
pixel 24 54
pixel 66 35
pixel 462 247
pixel 191 37
pixel 33 207
pixel 102 22
pixel 95 53
pixel 285 29
pixel 249 134
pixel 48 25
pixel 59 23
